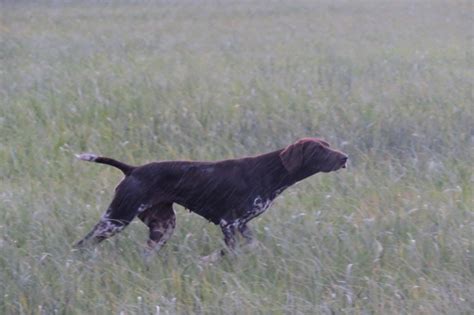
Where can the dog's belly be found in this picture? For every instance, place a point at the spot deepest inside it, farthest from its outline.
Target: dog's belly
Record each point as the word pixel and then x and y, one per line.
pixel 216 210
pixel 224 197
pixel 213 210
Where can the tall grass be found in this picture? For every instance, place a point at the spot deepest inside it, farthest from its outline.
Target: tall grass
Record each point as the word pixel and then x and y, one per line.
pixel 388 83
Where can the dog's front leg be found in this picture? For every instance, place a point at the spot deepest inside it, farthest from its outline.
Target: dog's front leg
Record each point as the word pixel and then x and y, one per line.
pixel 228 229
pixel 247 234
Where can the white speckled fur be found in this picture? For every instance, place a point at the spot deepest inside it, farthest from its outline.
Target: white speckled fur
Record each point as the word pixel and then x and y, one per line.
pixel 143 207
pixel 107 228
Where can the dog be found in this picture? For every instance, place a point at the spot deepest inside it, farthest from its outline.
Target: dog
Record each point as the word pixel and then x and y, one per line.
pixel 228 193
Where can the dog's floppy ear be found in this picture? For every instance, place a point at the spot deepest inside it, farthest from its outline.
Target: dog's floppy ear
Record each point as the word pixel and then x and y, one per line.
pixel 292 156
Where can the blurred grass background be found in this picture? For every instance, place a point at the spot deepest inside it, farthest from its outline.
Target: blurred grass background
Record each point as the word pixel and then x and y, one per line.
pixel 390 83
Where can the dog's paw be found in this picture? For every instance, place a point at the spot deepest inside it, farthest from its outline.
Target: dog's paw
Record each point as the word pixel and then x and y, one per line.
pixel 87 157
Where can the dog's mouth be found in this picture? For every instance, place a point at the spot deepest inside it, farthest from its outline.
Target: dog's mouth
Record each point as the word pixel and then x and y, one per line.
pixel 338 166
pixel 344 163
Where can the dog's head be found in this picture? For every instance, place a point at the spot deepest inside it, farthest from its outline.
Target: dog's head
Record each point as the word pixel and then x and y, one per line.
pixel 312 155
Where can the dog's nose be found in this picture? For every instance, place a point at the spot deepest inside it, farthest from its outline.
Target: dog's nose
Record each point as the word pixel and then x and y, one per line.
pixel 344 161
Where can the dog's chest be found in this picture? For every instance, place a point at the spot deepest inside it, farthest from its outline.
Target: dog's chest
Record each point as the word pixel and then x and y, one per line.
pixel 259 206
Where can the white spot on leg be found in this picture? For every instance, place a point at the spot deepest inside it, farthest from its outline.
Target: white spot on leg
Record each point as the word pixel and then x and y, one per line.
pixel 108 228
pixel 143 207
pixel 106 215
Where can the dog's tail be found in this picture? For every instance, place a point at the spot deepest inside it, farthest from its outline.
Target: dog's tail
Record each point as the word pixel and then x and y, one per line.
pixel 125 168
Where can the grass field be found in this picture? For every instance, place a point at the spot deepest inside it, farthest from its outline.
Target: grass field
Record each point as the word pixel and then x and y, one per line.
pixel 390 83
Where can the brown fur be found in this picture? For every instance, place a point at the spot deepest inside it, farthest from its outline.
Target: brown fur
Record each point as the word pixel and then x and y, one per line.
pixel 228 193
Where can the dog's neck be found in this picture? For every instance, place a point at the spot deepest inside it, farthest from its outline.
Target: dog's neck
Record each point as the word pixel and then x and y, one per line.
pixel 278 175
pixel 301 174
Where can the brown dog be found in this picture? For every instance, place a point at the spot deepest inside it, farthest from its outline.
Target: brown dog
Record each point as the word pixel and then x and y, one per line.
pixel 229 193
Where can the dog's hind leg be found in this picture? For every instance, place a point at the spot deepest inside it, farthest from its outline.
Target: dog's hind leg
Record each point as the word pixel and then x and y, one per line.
pixel 161 220
pixel 126 204
pixel 104 229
